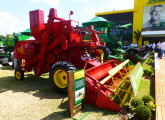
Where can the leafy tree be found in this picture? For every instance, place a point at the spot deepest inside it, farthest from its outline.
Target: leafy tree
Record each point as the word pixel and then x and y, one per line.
pixel 137 34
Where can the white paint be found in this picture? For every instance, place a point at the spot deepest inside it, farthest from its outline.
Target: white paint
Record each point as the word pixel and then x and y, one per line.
pixel 153 33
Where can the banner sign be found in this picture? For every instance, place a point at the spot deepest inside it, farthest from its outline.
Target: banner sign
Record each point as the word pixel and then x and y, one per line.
pixel 135 77
pixel 154 17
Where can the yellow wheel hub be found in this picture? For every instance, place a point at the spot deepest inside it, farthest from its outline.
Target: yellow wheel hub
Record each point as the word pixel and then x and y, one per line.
pixel 18 75
pixel 60 78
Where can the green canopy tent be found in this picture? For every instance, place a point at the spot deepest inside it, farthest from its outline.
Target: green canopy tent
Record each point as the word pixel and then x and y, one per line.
pixel 26 32
pixel 98 22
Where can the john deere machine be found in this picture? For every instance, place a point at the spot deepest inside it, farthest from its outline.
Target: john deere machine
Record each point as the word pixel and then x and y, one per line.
pixel 8 43
pixel 11 40
pixel 59 47
pixel 4 57
pixel 113 39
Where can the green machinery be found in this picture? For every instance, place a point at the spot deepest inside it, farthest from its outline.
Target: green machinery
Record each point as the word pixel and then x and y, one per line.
pixel 8 43
pixel 4 57
pixel 1 43
pixel 112 37
pixel 11 40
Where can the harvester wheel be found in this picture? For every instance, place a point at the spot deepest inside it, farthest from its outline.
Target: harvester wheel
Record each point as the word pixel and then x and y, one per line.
pixel 19 74
pixel 58 76
pixel 106 51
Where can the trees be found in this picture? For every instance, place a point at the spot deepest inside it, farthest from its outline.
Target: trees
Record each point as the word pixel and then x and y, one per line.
pixel 137 35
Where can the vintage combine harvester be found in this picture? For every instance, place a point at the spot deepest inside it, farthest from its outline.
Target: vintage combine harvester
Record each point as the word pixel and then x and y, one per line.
pixel 59 47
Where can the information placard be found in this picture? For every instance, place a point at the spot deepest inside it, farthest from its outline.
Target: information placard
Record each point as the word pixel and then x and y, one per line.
pixel 79 85
pixel 76 91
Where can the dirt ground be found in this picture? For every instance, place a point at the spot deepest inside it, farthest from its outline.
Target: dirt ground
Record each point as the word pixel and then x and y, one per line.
pixel 34 99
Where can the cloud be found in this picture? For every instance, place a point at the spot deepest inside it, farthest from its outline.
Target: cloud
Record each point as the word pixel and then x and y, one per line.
pixel 121 4
pixel 11 23
pixel 87 14
pixel 35 0
pixel 90 11
pixel 53 3
pixel 84 1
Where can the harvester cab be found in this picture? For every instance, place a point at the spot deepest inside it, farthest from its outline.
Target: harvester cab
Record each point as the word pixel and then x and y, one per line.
pixel 59 47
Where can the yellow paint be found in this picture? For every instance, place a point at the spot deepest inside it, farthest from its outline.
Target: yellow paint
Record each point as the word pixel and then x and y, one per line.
pixel 137 15
pixel 146 42
pixel 11 36
pixel 102 55
pixel 125 96
pixel 116 69
pixel 79 74
pixel 20 50
pixel 115 12
pixel 18 75
pixel 60 78
pixel 83 95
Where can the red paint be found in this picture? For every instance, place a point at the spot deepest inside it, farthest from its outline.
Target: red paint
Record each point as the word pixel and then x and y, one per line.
pixel 57 40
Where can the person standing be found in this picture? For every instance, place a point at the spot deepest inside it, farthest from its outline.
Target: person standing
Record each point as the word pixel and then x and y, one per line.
pixel 159 50
pixel 12 58
pixel 153 46
pixel 162 47
pixel 150 46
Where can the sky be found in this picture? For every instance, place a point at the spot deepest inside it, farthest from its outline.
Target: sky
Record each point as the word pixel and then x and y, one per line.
pixel 14 14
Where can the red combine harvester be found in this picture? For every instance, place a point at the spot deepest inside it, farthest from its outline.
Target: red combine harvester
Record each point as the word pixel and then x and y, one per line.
pixel 59 47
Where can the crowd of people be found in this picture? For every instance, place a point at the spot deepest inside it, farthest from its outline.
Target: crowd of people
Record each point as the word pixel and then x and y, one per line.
pixel 160 47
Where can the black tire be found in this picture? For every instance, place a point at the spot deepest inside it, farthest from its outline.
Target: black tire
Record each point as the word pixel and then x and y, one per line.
pixel 19 74
pixel 60 68
pixel 106 51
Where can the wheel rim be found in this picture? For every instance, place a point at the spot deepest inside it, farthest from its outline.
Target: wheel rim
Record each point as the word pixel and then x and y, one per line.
pixel 18 75
pixel 60 78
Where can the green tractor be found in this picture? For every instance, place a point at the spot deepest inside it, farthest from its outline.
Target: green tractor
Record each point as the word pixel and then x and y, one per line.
pixel 2 39
pixel 1 43
pixel 112 37
pixel 8 43
pixel 11 40
pixel 4 57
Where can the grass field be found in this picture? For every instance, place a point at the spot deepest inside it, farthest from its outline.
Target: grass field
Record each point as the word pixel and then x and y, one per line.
pixel 34 99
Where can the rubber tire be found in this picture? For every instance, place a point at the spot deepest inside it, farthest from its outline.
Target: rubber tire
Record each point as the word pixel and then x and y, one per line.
pixel 106 51
pixel 61 65
pixel 18 69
